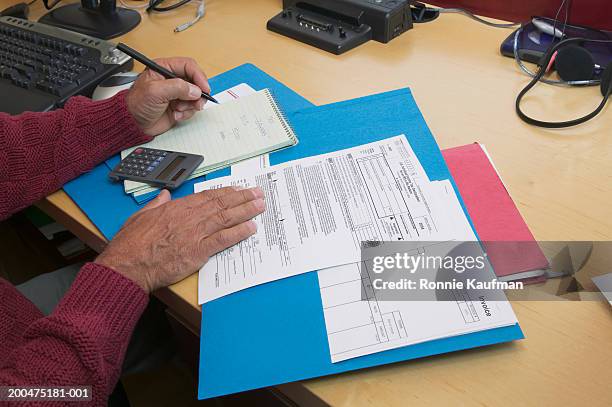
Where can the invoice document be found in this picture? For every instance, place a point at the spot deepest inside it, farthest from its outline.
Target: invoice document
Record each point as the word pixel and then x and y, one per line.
pixel 319 210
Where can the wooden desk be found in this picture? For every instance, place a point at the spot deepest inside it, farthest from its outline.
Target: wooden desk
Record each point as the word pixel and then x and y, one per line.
pixel 560 181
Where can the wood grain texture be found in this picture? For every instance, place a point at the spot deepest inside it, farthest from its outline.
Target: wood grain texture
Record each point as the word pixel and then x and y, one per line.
pixel 561 182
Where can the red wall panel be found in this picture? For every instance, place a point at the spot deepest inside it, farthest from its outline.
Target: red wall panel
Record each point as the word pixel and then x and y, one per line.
pixel 592 13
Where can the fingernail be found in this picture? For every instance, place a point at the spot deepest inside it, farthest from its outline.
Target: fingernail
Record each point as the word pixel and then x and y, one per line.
pixel 201 104
pixel 259 204
pixel 252 226
pixel 178 115
pixel 194 91
pixel 257 192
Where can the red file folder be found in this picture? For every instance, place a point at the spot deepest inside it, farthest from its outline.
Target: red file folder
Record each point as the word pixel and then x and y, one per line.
pixel 510 246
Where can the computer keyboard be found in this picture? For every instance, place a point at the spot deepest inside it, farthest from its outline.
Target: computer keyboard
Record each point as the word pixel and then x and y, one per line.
pixel 42 66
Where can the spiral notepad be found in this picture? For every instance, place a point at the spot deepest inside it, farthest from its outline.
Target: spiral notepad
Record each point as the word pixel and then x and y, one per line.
pixel 226 134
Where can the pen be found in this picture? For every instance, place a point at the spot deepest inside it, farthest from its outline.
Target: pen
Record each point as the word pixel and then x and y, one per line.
pixel 155 67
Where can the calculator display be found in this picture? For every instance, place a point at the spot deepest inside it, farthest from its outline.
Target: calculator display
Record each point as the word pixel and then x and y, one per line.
pixel 170 168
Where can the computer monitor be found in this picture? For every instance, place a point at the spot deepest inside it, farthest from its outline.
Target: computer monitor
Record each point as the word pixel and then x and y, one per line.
pixel 101 19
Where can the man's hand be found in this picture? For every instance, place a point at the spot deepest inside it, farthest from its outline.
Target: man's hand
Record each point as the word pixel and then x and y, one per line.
pixel 157 103
pixel 168 240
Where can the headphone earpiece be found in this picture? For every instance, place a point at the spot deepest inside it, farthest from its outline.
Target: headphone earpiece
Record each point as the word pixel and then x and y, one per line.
pixel 574 63
pixel 575 66
pixel 606 81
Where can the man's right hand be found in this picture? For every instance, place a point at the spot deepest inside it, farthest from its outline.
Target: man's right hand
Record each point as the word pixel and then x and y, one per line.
pixel 167 241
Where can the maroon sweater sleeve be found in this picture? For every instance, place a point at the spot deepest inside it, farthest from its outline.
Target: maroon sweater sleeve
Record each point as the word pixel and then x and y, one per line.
pixel 39 152
pixel 83 342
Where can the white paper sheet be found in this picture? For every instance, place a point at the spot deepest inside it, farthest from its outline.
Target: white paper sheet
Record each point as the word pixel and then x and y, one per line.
pixel 319 210
pixel 604 283
pixel 252 165
pixel 357 327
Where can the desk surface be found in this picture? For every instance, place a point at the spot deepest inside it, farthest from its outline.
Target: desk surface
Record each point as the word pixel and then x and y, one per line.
pixel 560 180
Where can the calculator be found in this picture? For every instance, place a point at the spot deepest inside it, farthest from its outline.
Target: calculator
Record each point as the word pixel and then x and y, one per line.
pixel 160 168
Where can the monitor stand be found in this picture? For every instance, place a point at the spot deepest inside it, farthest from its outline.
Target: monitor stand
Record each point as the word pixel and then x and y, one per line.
pixel 105 21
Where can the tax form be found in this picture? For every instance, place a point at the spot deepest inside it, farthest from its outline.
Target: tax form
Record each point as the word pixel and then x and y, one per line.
pixel 358 326
pixel 319 210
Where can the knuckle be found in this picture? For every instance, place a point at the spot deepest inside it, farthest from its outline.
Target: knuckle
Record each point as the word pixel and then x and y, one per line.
pixel 224 218
pixel 251 209
pixel 246 195
pixel 220 203
pixel 222 239
pixel 248 229
pixel 182 85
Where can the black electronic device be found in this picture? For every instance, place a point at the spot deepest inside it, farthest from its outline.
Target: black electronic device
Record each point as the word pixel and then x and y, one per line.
pixel 42 66
pixel 160 168
pixel 97 18
pixel 337 26
pixel 532 43
pixel 20 10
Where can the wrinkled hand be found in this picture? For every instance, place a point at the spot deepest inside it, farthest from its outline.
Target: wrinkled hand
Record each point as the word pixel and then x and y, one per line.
pixel 157 103
pixel 167 241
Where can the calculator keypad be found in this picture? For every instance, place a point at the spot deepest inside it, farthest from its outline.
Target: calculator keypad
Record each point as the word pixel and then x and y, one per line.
pixel 141 162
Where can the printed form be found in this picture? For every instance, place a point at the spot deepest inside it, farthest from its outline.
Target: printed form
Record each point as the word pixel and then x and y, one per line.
pixel 383 194
pixel 320 209
pixel 358 326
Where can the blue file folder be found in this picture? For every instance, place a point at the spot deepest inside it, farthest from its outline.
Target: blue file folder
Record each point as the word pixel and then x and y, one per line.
pixel 275 333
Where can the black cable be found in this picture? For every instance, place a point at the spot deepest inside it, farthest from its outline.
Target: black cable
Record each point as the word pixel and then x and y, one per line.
pixel 474 17
pixel 421 13
pixel 538 76
pixel 49 7
pixel 154 6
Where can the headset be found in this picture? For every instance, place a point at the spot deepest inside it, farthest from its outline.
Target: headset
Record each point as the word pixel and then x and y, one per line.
pixel 575 67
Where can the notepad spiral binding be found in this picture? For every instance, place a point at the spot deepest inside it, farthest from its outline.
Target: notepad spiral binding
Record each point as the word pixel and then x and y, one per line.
pixel 281 115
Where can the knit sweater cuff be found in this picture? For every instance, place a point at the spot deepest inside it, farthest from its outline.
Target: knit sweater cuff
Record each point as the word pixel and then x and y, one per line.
pixel 110 303
pixel 112 118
